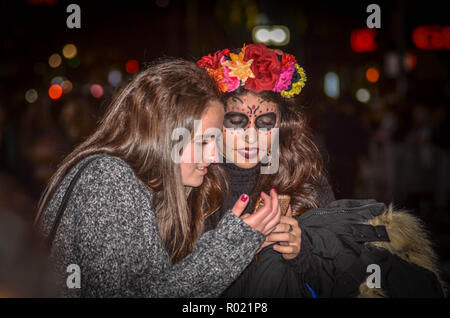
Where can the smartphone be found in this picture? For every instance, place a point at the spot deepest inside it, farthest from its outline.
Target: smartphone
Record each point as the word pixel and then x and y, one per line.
pixel 283 200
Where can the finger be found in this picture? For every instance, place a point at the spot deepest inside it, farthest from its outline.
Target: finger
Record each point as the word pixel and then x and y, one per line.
pixel 281 237
pixel 246 215
pixel 258 219
pixel 240 205
pixel 286 249
pixel 264 245
pixel 275 208
pixel 289 211
pixel 281 228
pixel 289 220
pixel 274 217
pixel 262 213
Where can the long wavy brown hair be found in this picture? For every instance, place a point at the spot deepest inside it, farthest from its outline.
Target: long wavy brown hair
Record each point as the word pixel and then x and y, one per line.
pixel 300 163
pixel 137 127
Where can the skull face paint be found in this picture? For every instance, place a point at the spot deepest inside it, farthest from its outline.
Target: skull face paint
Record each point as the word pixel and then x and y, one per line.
pixel 248 125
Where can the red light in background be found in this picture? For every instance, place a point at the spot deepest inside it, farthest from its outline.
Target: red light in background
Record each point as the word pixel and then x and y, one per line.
pixel 410 61
pixel 132 66
pixel 363 40
pixel 432 37
pixel 55 91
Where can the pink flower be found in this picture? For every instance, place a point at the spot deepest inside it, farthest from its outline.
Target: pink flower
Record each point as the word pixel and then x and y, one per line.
pixel 285 78
pixel 231 82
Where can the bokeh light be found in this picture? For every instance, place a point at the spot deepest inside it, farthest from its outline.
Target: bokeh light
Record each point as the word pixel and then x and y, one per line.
pixel 331 85
pixel 66 86
pixel 96 90
pixel 363 95
pixel 55 91
pixel 31 96
pixel 372 74
pixel 115 77
pixel 69 51
pixel 132 66
pixel 54 60
pixel 57 80
pixel 410 61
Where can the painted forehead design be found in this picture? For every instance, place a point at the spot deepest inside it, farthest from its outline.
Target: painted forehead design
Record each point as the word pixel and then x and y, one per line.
pixel 253 107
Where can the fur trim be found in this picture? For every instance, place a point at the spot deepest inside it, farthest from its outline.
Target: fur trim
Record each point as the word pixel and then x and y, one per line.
pixel 366 292
pixel 408 240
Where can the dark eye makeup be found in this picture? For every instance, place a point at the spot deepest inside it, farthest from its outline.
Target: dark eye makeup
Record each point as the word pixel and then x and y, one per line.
pixel 239 120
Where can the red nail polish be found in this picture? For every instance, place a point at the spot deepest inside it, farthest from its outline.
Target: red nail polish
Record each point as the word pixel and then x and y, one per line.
pixel 275 190
pixel 244 198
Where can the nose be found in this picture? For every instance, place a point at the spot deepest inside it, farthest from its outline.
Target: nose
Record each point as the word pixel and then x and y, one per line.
pixel 251 136
pixel 211 153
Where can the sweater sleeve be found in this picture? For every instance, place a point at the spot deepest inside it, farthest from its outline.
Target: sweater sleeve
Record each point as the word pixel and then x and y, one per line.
pixel 121 253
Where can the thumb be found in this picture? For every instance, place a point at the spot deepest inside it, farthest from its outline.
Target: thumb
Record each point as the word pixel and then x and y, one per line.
pixel 240 205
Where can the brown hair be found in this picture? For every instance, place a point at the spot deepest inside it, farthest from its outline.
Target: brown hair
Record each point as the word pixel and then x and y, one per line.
pixel 137 127
pixel 300 165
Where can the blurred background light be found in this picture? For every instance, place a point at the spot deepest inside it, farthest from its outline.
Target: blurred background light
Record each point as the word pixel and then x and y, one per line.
pixel 410 61
pixel 278 35
pixel 331 85
pixel 54 60
pixel 372 74
pixel 363 95
pixel 96 90
pixel 431 37
pixel 55 91
pixel 69 51
pixel 391 64
pixel 57 80
pixel 115 77
pixel 363 40
pixel 132 66
pixel 66 86
pixel 31 96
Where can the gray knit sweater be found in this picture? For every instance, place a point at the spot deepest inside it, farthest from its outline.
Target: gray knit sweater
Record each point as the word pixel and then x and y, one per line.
pixel 109 230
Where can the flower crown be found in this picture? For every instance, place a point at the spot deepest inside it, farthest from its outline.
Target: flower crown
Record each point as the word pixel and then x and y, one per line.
pixel 256 68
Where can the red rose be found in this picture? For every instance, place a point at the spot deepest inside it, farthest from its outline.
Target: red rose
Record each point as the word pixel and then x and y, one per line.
pixel 212 61
pixel 266 68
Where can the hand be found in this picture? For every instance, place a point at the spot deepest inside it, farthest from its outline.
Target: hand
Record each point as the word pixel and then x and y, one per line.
pixel 264 219
pixel 290 242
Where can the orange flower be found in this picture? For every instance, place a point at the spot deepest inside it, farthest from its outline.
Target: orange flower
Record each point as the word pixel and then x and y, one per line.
pixel 239 68
pixel 217 74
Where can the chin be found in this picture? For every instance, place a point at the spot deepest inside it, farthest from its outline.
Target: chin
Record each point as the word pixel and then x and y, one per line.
pixel 246 165
pixel 194 183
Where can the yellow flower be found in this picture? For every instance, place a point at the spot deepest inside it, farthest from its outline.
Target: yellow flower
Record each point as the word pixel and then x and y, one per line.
pixel 297 86
pixel 239 68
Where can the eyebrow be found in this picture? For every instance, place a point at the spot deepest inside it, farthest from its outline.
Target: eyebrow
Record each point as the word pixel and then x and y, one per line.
pixel 235 97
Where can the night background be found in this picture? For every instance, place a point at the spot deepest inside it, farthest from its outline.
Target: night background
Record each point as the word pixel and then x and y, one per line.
pixel 377 99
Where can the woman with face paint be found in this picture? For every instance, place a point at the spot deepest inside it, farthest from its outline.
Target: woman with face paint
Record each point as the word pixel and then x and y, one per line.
pixel 119 211
pixel 267 145
pixel 322 247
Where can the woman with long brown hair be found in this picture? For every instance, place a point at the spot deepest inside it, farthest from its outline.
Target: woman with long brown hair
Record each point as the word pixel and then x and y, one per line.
pixel 321 247
pixel 119 207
